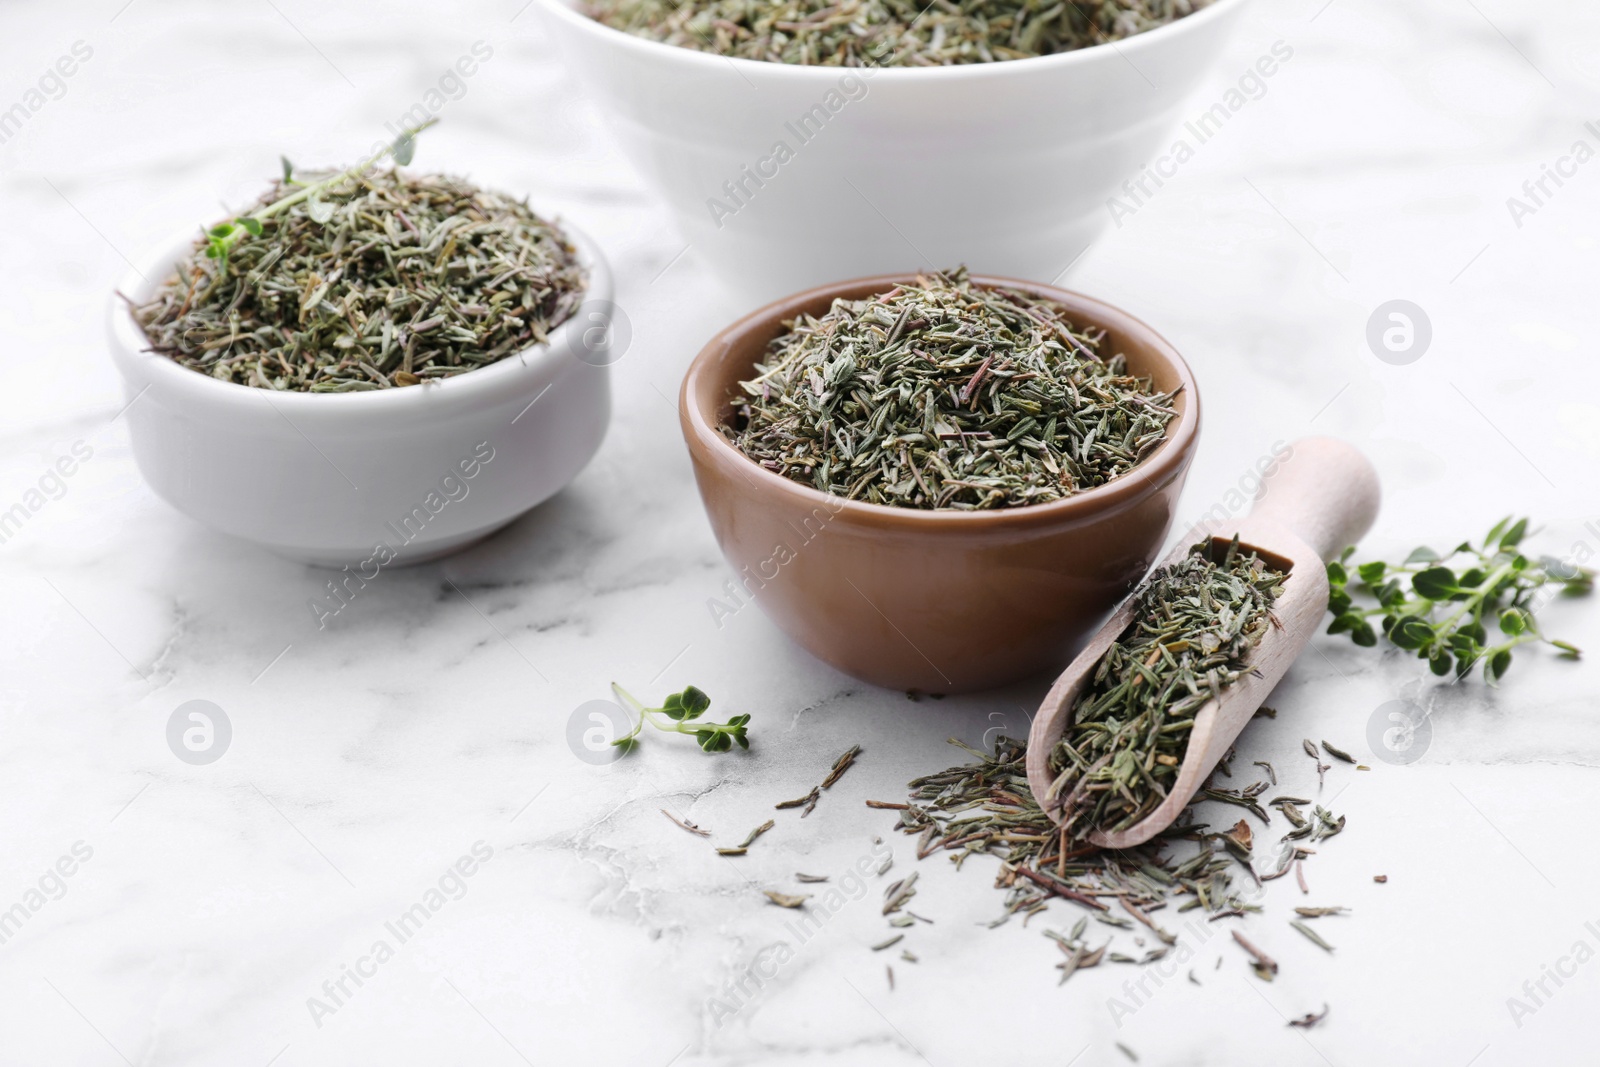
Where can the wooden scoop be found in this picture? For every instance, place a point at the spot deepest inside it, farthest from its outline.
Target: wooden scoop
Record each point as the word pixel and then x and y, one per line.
pixel 1319 500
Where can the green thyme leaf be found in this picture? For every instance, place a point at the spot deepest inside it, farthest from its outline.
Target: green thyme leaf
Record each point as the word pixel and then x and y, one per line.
pixel 1435 583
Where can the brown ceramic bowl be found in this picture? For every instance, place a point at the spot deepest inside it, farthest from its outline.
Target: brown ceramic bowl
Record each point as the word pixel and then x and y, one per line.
pixel 937 601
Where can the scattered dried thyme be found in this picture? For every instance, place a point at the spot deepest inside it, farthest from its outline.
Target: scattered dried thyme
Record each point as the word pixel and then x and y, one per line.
pixel 809 801
pixel 986 808
pixel 1194 624
pixel 945 394
pixel 384 279
pixel 870 33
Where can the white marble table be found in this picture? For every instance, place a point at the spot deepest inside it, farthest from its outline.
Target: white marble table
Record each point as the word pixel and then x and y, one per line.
pixel 207 905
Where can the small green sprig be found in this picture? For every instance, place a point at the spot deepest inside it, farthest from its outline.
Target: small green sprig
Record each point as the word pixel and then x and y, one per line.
pixel 1441 607
pixel 681 712
pixel 221 238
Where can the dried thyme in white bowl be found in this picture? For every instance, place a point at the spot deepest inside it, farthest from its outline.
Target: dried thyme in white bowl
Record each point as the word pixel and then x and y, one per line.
pixel 374 280
pixel 889 33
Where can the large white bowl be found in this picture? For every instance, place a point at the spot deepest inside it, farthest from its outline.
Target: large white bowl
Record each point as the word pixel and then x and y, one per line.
pixel 1006 167
pixel 328 478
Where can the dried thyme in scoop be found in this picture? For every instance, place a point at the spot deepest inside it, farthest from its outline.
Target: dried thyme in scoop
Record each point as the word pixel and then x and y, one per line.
pixel 870 33
pixel 946 394
pixel 1193 627
pixel 383 279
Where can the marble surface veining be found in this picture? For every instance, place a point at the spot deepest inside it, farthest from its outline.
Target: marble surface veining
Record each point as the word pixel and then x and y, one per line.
pixel 209 909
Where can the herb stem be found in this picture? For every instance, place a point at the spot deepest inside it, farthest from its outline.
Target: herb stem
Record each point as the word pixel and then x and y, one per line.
pixel 630 702
pixel 1477 596
pixel 305 193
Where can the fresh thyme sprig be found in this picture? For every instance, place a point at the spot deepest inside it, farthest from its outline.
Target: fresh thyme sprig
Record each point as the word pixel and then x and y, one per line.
pixel 1441 607
pixel 221 238
pixel 682 712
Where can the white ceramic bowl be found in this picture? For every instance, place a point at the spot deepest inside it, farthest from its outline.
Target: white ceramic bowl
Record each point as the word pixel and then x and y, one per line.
pixel 1006 167
pixel 331 478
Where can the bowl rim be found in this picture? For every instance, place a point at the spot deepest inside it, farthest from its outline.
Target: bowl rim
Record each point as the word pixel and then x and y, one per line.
pixel 567 11
pixel 1169 461
pixel 130 348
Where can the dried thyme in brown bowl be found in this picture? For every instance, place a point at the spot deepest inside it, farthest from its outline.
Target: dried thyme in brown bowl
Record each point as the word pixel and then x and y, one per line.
pixel 944 394
pixel 379 279
pixel 886 33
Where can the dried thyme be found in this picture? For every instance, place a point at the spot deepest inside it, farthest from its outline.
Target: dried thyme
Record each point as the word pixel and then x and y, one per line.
pixel 1310 1019
pixel 1194 625
pixel 944 394
pixel 856 33
pixel 1337 753
pixel 899 894
pixel 744 846
pixel 1265 966
pixel 382 279
pixel 809 801
pixel 786 900
pixel 1311 935
pixel 985 807
pixel 841 765
pixel 693 828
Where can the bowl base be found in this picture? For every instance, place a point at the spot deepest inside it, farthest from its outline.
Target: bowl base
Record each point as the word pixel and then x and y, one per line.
pixel 412 555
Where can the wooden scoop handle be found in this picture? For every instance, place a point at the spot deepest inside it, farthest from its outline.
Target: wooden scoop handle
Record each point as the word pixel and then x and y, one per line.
pixel 1325 493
